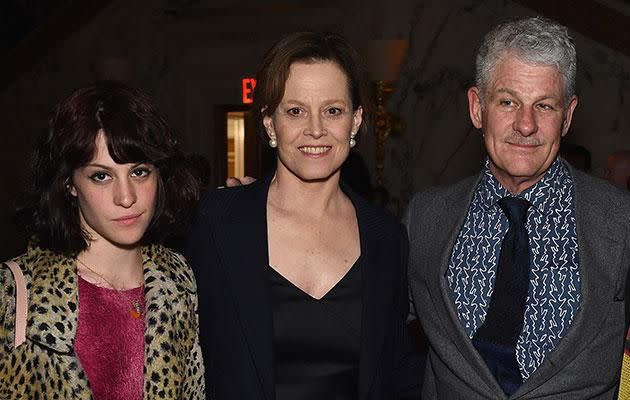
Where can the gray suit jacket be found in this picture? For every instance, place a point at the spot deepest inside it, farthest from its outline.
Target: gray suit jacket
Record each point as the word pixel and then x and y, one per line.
pixel 586 364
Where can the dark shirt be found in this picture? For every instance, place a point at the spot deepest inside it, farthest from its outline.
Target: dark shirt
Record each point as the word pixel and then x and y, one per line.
pixel 316 342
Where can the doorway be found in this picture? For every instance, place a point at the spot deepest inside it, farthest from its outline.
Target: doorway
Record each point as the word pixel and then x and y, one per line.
pixel 240 150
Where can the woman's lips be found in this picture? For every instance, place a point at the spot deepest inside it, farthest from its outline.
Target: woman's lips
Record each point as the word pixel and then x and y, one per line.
pixel 315 151
pixel 128 219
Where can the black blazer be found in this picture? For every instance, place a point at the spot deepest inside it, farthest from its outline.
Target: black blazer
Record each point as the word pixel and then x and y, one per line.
pixel 228 250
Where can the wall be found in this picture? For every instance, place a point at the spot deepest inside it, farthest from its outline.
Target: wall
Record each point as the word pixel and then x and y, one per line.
pixel 191 56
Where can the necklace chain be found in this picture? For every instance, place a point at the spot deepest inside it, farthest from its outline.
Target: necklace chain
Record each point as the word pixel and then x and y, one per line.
pixel 136 307
pixel 100 276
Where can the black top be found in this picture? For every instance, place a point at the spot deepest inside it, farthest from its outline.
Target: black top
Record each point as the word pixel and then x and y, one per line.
pixel 316 342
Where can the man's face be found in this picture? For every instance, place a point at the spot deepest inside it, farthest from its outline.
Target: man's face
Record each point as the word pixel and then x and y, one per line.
pixel 522 117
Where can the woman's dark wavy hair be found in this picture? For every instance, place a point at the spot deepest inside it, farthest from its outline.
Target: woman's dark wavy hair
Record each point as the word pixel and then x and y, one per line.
pixel 310 47
pixel 135 132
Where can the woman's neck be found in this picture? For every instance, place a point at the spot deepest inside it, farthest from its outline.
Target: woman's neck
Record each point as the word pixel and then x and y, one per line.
pixel 288 192
pixel 116 266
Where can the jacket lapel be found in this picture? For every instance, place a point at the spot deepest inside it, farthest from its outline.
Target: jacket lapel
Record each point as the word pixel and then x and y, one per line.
pixel 45 324
pixel 599 248
pixel 165 297
pixel 447 230
pixel 377 281
pixel 243 249
pixel 51 323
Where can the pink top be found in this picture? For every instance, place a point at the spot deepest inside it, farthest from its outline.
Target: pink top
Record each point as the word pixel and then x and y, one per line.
pixel 110 340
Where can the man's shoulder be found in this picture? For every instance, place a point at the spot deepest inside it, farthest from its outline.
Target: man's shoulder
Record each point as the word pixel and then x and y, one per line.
pixel 438 196
pixel 593 191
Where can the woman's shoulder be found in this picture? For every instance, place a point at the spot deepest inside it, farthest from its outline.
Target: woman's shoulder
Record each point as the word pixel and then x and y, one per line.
pixel 35 258
pixel 376 217
pixel 383 236
pixel 220 202
pixel 171 265
pixel 7 279
pixel 32 260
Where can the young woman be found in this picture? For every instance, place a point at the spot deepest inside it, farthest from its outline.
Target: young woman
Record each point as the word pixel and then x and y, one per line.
pixel 111 314
pixel 302 282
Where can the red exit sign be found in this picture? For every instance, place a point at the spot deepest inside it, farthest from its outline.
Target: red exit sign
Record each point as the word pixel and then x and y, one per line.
pixel 248 85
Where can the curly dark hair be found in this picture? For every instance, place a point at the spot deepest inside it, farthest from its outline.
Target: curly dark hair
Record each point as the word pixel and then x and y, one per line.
pixel 135 132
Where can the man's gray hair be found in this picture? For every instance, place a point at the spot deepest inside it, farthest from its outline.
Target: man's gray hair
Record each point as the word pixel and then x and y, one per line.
pixel 534 40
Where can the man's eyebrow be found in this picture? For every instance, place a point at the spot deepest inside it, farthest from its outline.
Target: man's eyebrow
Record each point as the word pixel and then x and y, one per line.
pixel 514 94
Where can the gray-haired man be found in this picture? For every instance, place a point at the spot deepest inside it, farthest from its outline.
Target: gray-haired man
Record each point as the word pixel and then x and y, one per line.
pixel 518 274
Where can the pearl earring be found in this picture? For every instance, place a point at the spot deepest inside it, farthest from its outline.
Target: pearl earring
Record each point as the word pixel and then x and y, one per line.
pixel 352 141
pixel 273 143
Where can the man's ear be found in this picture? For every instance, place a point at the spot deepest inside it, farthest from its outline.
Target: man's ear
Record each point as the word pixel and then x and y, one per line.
pixel 566 123
pixel 474 107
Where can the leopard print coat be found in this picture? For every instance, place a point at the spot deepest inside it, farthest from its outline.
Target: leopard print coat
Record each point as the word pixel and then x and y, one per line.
pixel 46 366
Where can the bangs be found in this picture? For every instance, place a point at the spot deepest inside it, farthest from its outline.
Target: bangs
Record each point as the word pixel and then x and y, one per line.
pixel 126 149
pixel 130 139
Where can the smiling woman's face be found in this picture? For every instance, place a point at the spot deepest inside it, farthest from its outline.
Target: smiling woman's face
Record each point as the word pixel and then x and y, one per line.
pixel 313 122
